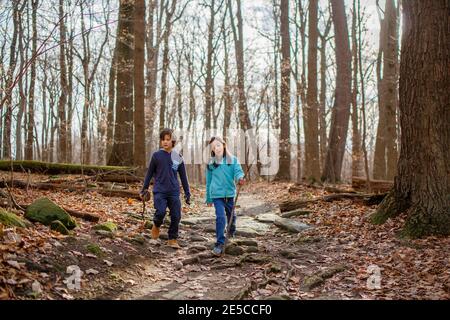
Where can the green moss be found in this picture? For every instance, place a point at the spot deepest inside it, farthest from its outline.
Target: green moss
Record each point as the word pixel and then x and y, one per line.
pixel 95 249
pixel 59 227
pixel 46 211
pixel 387 209
pixel 421 223
pixel 106 226
pixel 11 220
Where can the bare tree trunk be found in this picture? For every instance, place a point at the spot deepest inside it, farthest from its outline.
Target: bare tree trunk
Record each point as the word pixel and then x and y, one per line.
pixel 228 108
pixel 139 110
pixel 363 98
pixel 122 151
pixel 152 66
pixel 310 111
pixel 239 54
pixel 9 82
pixel 285 146
pixel 30 124
pixel 323 94
pixel 62 125
pixel 209 82
pixel 70 107
pixel 421 187
pixel 165 66
pixel 390 77
pixel 356 136
pixel 341 109
pixel 22 95
pixel 111 99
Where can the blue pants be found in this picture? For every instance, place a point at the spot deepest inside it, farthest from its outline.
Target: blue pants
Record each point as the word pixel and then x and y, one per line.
pixel 162 201
pixel 223 206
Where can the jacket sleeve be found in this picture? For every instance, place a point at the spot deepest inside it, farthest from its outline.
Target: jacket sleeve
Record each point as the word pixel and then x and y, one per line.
pixel 238 173
pixel 208 185
pixel 150 173
pixel 184 179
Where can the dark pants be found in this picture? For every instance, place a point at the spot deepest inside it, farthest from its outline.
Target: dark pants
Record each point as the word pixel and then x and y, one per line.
pixel 162 201
pixel 224 208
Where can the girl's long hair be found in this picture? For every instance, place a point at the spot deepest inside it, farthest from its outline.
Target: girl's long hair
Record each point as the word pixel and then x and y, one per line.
pixel 226 154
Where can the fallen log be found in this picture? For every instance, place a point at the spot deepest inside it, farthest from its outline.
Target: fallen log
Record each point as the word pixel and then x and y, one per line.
pixel 60 168
pixel 376 186
pixel 82 215
pixel 71 188
pixel 301 188
pixel 367 199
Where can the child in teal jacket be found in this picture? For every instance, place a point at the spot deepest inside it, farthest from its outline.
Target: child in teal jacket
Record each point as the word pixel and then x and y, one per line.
pixel 222 171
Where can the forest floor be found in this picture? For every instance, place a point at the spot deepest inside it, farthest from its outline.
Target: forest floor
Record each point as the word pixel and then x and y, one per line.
pixel 336 257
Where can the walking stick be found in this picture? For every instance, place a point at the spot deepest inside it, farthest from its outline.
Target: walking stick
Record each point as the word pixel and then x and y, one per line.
pixel 230 221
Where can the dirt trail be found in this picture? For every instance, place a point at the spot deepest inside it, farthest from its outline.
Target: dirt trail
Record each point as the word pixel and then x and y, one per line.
pixel 203 281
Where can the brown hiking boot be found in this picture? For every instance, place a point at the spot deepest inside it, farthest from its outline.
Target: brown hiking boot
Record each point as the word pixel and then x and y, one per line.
pixel 173 243
pixel 155 232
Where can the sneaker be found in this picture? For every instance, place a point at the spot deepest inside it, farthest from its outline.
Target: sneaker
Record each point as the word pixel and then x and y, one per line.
pixel 173 243
pixel 218 250
pixel 155 232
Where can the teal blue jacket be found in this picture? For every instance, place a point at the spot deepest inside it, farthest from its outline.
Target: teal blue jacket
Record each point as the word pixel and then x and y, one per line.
pixel 220 179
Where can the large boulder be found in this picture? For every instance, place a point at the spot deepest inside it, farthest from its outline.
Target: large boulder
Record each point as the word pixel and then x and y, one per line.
pixel 46 211
pixel 11 220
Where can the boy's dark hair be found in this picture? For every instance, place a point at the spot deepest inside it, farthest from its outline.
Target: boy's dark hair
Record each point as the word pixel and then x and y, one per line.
pixel 168 132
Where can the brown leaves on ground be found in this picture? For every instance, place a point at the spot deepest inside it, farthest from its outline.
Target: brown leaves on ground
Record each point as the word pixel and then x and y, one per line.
pixel 409 269
pixel 33 261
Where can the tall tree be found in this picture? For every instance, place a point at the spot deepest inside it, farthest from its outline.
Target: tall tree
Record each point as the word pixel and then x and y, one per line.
pixel 324 38
pixel 122 150
pixel 62 125
pixel 310 110
pixel 341 109
pixel 421 187
pixel 238 37
pixel 139 111
pixel 209 56
pixel 165 61
pixel 285 146
pixel 386 153
pixel 9 83
pixel 30 124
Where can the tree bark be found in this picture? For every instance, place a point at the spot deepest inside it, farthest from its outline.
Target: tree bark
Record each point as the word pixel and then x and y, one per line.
pixel 310 110
pixel 139 111
pixel 422 184
pixel 390 77
pixel 341 109
pixel 122 151
pixel 285 146
pixel 62 125
pixel 30 124
pixel 9 83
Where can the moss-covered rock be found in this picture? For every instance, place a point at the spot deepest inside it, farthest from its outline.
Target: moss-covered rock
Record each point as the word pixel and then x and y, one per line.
pixel 11 220
pixel 59 227
pixel 95 249
pixel 106 226
pixel 46 211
